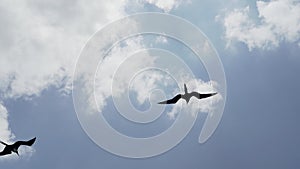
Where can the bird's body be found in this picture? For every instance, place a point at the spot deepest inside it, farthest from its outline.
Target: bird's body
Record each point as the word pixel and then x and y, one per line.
pixel 187 96
pixel 10 148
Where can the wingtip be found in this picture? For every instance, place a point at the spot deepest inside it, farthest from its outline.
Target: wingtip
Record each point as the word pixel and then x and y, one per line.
pixel 212 94
pixel 163 102
pixel 33 140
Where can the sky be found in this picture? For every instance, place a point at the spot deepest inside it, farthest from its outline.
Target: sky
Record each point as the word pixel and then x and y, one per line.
pixel 258 43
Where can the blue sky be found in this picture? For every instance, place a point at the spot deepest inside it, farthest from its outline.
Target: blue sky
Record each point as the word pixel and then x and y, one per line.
pixel 258 44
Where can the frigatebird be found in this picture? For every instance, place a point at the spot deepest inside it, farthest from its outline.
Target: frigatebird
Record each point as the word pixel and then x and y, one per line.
pixel 9 148
pixel 187 96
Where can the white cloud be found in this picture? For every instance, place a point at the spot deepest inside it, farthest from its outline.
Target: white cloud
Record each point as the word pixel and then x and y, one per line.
pixel 5 134
pixel 25 151
pixel 167 5
pixel 41 51
pixel 107 69
pixel 148 81
pixel 161 39
pixel 145 83
pixel 278 20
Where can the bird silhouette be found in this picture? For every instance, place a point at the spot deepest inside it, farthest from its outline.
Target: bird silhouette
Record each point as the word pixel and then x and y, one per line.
pixel 8 149
pixel 187 96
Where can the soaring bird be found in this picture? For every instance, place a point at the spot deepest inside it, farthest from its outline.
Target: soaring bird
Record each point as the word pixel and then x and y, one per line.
pixel 8 149
pixel 187 96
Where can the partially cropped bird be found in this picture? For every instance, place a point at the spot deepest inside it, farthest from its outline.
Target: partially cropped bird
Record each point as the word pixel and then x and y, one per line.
pixel 9 148
pixel 187 96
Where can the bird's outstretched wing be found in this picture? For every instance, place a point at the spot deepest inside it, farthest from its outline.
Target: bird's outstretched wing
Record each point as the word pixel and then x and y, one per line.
pixel 26 143
pixel 5 151
pixel 171 101
pixel 3 143
pixel 202 96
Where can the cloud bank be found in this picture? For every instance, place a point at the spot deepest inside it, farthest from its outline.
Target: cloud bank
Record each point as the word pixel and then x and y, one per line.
pixel 40 42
